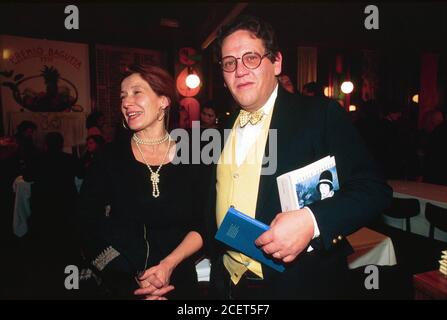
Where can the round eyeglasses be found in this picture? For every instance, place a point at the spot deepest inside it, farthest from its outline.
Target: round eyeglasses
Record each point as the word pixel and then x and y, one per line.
pixel 250 60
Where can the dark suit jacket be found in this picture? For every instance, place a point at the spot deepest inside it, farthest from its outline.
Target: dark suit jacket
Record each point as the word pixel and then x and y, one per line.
pixel 308 129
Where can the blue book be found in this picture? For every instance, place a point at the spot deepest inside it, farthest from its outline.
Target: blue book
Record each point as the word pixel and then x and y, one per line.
pixel 240 231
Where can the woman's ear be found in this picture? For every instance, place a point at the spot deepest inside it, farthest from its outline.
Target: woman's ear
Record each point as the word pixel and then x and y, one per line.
pixel 165 102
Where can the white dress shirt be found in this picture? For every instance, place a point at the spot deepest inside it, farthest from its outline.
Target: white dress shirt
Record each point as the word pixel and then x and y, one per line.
pixel 246 136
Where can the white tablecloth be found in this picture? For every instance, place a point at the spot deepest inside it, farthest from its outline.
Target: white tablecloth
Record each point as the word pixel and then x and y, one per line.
pixel 424 192
pixel 22 209
pixel 371 247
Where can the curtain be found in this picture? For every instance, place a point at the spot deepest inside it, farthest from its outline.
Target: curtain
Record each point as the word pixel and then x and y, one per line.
pixel 369 75
pixel 307 66
pixel 428 97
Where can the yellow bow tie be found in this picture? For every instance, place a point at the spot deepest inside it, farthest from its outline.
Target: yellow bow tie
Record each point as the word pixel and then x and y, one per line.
pixel 252 117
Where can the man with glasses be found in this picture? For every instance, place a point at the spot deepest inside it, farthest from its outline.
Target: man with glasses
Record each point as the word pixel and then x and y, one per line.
pixel 310 241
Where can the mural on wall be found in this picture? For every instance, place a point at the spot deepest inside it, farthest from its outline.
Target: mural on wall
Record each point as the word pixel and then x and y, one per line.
pixel 44 76
pixel 59 94
pixel 47 82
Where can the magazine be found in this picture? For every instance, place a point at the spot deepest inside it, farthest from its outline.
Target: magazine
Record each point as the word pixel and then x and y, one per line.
pixel 303 186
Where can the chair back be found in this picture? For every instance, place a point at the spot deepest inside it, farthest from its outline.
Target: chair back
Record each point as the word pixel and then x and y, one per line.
pixel 403 209
pixel 437 217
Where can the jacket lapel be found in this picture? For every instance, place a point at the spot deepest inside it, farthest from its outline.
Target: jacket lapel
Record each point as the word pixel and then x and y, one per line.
pixel 287 122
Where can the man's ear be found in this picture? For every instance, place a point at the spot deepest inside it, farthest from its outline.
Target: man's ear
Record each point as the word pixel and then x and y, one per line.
pixel 278 64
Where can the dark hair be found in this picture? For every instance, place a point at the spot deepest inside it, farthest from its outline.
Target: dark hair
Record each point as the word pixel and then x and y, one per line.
pixel 258 27
pixel 24 125
pixel 209 105
pixel 325 178
pixel 93 118
pixel 99 140
pixel 160 81
pixel 315 88
pixel 54 141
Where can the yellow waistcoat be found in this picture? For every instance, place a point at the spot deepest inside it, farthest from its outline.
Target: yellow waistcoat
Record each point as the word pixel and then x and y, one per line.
pixel 238 187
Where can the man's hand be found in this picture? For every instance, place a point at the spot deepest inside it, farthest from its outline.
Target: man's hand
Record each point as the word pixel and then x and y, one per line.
pixel 289 235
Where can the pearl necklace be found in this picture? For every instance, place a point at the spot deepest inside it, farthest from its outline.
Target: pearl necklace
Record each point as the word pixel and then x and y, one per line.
pixel 150 142
pixel 155 176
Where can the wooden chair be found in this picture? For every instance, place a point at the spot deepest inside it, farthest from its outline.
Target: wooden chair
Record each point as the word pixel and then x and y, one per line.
pixel 437 217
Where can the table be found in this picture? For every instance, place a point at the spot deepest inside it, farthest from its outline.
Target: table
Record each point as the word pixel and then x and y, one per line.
pixel 430 285
pixel 370 247
pixel 423 192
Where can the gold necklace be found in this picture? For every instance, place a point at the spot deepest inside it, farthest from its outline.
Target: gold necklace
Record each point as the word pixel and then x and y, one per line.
pixel 155 176
pixel 150 142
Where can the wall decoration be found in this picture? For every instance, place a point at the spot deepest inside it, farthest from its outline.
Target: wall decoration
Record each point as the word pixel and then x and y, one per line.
pixel 188 57
pixel 60 94
pixel 39 77
pixel 189 112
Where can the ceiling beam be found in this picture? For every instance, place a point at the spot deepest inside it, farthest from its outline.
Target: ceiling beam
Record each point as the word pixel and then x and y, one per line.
pixel 237 9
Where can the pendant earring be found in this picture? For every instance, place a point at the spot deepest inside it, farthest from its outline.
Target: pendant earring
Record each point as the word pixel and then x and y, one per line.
pixel 125 126
pixel 162 111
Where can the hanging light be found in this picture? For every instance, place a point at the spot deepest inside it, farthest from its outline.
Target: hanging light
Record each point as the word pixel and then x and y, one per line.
pixel 192 80
pixel 347 87
pixel 6 54
pixel 326 91
pixel 352 108
pixel 415 98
